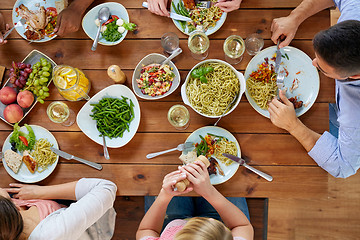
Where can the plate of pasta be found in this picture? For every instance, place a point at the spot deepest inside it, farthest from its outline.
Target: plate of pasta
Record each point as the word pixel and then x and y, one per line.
pixel 301 81
pixel 210 19
pixel 45 159
pixel 222 141
pixel 211 86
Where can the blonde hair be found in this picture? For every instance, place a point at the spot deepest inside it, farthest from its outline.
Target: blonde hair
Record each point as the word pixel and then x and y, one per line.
pixel 201 228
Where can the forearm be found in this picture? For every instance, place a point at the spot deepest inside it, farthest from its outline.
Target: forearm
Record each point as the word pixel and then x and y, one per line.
pixel 60 191
pixel 154 217
pixel 231 215
pixel 308 8
pixel 80 5
pixel 304 135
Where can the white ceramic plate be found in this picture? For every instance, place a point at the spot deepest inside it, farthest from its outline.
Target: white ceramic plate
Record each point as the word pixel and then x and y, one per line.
pixel 209 31
pixel 88 125
pixel 90 28
pixel 24 175
pixel 150 59
pixel 228 170
pixel 239 75
pixel 298 62
pixel 31 5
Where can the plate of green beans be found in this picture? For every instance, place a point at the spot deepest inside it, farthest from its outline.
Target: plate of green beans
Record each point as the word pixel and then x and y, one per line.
pixel 114 112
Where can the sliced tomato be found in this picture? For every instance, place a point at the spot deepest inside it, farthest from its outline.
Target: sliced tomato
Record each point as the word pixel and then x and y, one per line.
pixel 52 9
pixel 24 140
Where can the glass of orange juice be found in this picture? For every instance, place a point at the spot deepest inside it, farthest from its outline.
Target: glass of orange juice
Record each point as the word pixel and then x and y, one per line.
pixel 71 83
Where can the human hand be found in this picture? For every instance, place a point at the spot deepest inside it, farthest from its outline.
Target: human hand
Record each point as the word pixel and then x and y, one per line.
pixel 68 21
pixel 228 6
pixel 284 27
pixel 3 29
pixel 199 177
pixel 24 191
pixel 283 114
pixel 158 7
pixel 170 180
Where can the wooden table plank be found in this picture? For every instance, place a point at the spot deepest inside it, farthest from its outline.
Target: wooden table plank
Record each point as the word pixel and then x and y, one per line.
pixel 257 20
pixel 251 145
pixel 128 53
pixel 137 3
pixel 155 119
pixel 294 181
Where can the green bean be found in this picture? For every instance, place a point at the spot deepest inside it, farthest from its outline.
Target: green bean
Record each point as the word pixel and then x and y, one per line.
pixel 113 116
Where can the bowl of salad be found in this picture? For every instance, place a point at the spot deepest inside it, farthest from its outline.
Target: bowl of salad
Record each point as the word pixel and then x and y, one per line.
pixel 152 81
pixel 114 30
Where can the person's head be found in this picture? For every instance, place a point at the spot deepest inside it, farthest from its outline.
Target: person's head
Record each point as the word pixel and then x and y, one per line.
pixel 200 228
pixel 11 222
pixel 337 50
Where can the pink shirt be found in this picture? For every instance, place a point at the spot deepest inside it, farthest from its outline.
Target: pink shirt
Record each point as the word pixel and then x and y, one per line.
pixel 172 228
pixel 45 207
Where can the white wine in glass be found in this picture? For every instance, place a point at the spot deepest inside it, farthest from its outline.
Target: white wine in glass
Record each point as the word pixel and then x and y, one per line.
pixel 198 44
pixel 179 117
pixel 234 48
pixel 59 112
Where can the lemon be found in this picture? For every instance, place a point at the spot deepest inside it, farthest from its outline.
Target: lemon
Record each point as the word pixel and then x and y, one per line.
pixel 66 72
pixel 72 75
pixel 61 82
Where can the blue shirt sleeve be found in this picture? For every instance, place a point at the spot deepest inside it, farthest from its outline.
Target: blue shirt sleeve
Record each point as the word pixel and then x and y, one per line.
pixel 339 157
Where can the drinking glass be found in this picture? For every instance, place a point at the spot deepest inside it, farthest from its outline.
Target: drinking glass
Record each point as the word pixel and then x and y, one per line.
pixel 234 48
pixel 179 117
pixel 59 112
pixel 198 44
pixel 170 42
pixel 254 43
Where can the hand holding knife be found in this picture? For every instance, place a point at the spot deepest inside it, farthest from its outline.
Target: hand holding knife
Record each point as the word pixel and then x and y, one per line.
pixel 242 163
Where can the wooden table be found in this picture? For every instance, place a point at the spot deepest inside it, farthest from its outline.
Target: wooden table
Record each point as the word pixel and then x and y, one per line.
pixel 300 192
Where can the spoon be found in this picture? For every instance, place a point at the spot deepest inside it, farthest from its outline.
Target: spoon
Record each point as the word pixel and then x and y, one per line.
pixel 103 16
pixel 174 54
pixel 106 153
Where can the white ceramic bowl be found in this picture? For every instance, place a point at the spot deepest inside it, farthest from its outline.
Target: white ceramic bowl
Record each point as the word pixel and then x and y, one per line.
pixel 88 125
pixel 239 75
pixel 150 59
pixel 88 22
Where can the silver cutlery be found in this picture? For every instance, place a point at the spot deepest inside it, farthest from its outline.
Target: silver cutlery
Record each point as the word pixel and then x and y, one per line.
pixel 180 147
pixel 234 100
pixel 69 157
pixel 106 153
pixel 280 74
pixel 243 163
pixel 18 24
pixel 175 53
pixel 103 16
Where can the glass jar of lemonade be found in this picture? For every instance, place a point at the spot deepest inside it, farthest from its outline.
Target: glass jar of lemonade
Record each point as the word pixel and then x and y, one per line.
pixel 71 83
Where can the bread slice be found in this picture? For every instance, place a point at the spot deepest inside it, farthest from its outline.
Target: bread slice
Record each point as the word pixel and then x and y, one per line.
pixel 13 160
pixel 190 157
pixel 29 162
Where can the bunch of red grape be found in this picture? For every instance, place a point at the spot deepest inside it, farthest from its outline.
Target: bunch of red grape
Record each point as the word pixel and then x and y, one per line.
pixel 19 73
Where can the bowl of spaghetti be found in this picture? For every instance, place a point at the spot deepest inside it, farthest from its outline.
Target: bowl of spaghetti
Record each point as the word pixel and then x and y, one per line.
pixel 211 86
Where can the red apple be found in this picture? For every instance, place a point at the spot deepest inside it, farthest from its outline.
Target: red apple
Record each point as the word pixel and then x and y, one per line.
pixel 7 95
pixel 13 113
pixel 25 99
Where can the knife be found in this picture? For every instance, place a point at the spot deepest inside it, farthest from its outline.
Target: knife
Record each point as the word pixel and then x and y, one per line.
pixel 242 163
pixel 69 157
pixel 172 14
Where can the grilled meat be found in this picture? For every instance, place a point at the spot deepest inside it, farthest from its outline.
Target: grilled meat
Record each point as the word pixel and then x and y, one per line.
pixel 37 20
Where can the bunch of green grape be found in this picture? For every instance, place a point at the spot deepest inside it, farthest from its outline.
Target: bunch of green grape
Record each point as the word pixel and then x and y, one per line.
pixel 39 79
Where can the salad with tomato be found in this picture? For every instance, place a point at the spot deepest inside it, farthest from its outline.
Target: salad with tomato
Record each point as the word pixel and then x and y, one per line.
pixel 113 29
pixel 155 79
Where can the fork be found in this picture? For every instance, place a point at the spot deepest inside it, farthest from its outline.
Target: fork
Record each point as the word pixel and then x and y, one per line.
pixel 180 147
pixel 280 80
pixel 18 24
